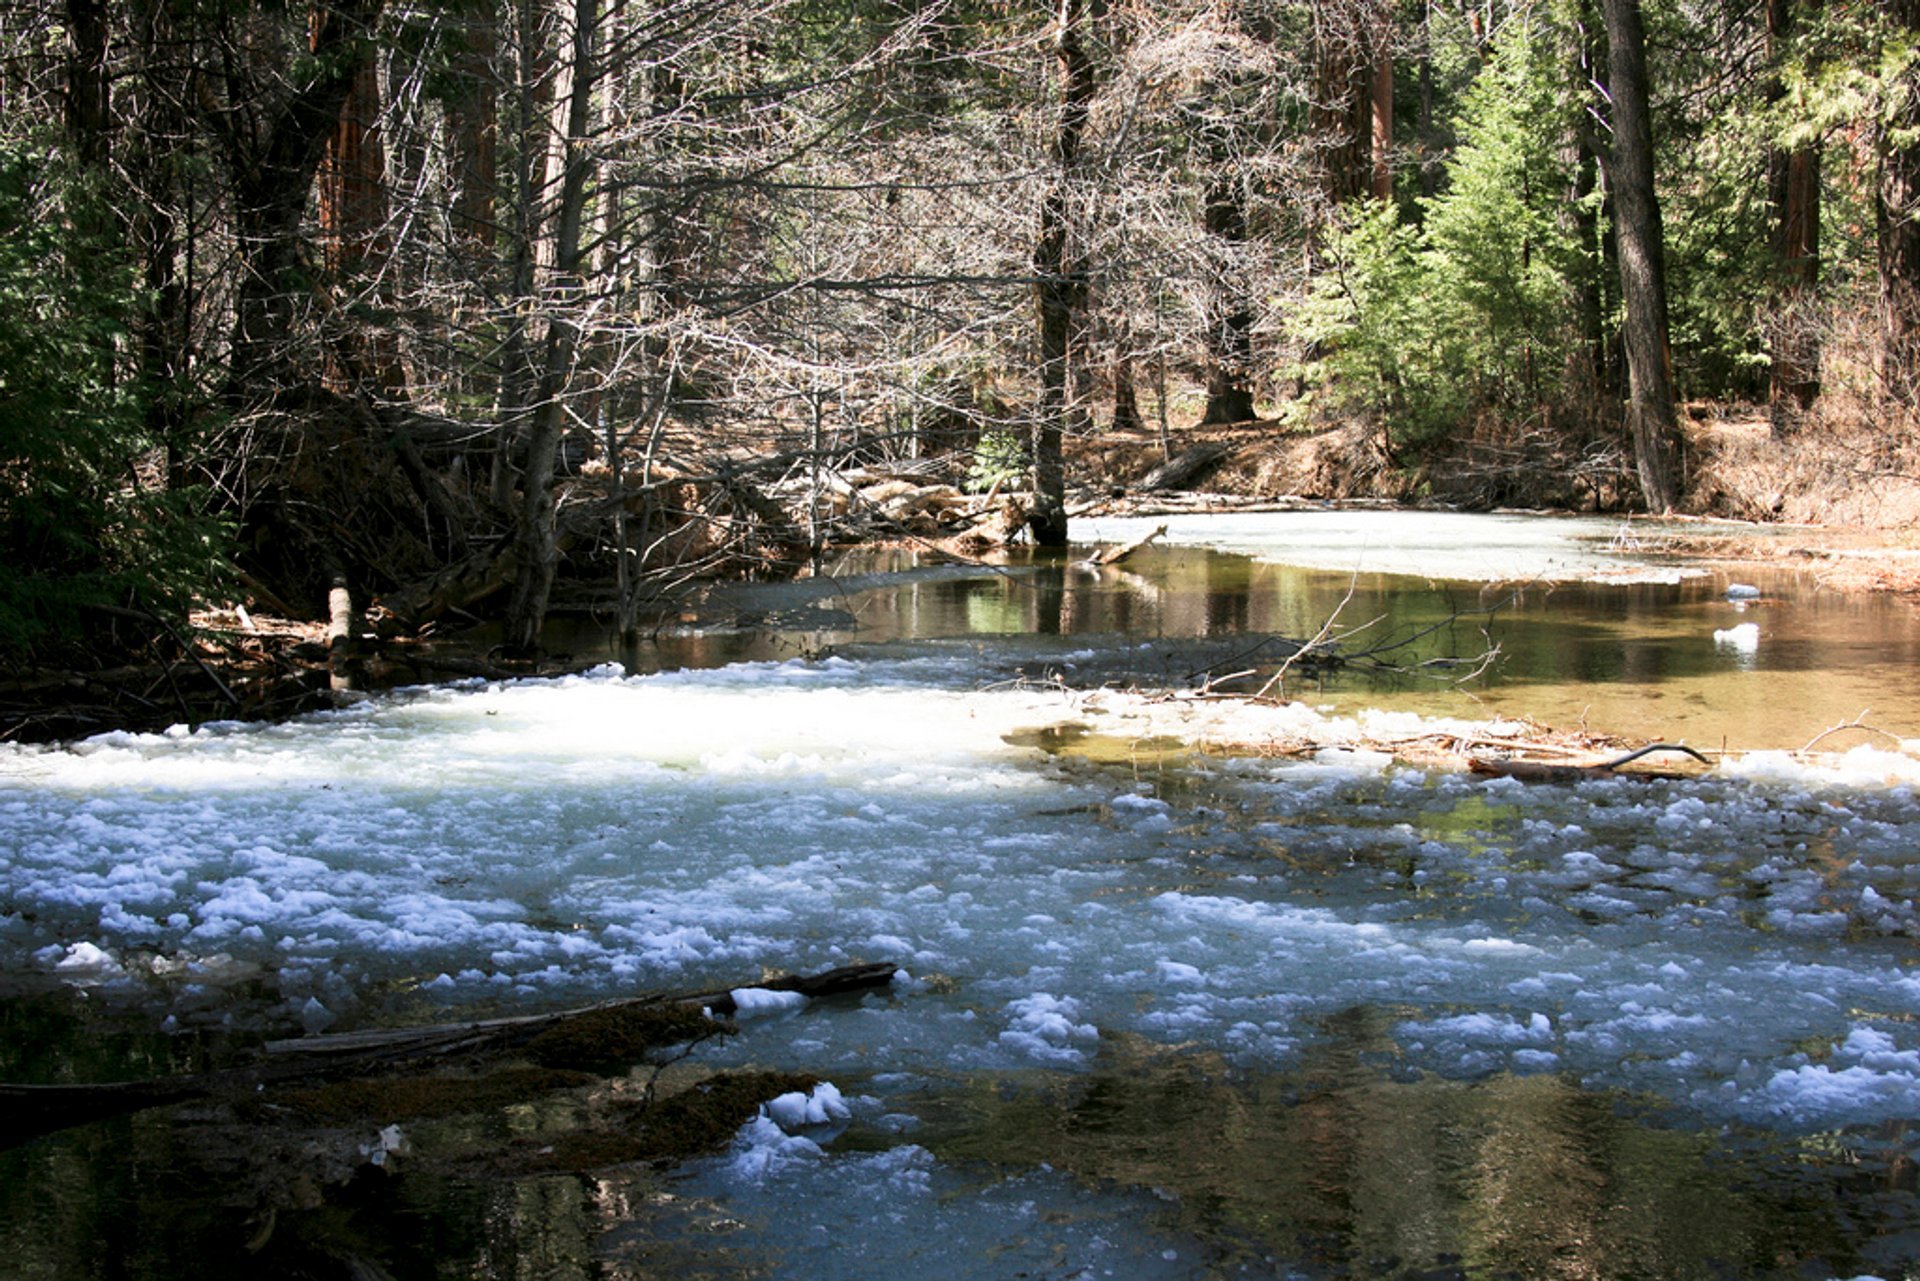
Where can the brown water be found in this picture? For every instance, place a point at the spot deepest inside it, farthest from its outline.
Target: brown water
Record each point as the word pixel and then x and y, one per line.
pixel 1639 660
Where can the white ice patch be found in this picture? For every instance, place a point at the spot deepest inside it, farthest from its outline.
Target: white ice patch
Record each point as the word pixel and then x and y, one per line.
pixel 1044 1027
pixel 762 1151
pixel 795 1111
pixel 542 842
pixel 756 1002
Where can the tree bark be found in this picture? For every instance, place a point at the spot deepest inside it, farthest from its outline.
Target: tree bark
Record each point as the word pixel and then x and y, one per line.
pixel 273 174
pixel 352 209
pixel 535 516
pixel 1351 116
pixel 473 133
pixel 1062 289
pixel 1229 366
pixel 1897 215
pixel 1793 190
pixel 1651 420
pixel 89 85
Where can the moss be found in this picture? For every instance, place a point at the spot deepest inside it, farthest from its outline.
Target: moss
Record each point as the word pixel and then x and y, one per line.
pixel 614 1039
pixel 698 1120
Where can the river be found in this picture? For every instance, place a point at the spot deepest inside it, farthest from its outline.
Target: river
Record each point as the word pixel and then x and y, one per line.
pixel 1159 1012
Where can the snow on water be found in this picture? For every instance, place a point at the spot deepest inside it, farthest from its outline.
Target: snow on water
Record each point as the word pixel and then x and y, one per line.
pixel 1470 547
pixel 1742 946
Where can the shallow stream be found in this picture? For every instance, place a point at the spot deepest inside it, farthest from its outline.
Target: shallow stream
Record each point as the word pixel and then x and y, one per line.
pixel 1159 1012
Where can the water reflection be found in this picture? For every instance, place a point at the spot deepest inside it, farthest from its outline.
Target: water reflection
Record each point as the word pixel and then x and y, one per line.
pixel 1344 1170
pixel 1660 660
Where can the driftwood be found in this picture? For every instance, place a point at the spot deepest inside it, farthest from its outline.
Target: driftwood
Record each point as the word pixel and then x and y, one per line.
pixel 1180 472
pixel 1559 772
pixel 1114 555
pixel 29 1111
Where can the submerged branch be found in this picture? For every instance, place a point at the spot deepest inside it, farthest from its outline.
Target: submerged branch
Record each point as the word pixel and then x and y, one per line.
pixel 596 1031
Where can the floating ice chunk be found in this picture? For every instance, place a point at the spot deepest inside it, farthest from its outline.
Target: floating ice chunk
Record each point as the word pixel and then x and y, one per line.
pixel 316 1017
pixel 82 961
pixel 1180 972
pixel 762 1151
pixel 1044 1028
pixel 1818 1094
pixel 796 1111
pixel 1743 640
pixel 756 1002
pixel 1742 591
pixel 1871 1048
pixel 390 1142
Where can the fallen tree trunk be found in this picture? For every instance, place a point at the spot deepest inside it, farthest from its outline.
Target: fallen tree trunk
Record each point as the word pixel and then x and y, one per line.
pixel 1187 468
pixel 1559 772
pixel 29 1111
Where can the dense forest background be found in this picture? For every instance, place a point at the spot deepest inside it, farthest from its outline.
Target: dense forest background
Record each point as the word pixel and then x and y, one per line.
pixel 449 299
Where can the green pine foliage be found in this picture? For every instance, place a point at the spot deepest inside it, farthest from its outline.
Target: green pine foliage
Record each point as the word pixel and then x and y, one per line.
pixel 84 523
pixel 1465 307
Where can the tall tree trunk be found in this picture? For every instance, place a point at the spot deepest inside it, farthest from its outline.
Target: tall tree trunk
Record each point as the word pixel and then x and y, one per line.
pixel 1351 116
pixel 156 170
pixel 273 175
pixel 1062 289
pixel 1229 363
pixel 89 84
pixel 1793 190
pixel 519 379
pixel 534 533
pixel 352 208
pixel 1380 100
pixel 1897 213
pixel 473 134
pixel 1651 420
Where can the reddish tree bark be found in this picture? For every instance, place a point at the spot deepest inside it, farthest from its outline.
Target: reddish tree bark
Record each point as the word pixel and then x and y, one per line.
pixel 1793 189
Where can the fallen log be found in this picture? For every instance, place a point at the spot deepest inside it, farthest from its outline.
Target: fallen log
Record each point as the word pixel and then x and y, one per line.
pixel 1561 772
pixel 30 1111
pixel 1187 468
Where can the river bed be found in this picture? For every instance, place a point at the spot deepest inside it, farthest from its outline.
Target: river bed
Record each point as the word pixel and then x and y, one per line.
pixel 1158 1012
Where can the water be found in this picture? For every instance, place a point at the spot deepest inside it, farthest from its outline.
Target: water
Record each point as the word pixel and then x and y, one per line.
pixel 1161 1014
pixel 1592 626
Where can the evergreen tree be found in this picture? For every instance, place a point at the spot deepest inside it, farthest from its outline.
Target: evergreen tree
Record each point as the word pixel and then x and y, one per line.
pixel 87 528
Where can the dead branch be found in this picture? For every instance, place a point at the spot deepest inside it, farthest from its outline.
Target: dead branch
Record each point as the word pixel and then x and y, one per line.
pixel 1859 723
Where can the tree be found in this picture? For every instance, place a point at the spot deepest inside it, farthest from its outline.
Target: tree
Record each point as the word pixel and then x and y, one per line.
pixel 89 528
pixel 1897 216
pixel 1652 425
pixel 534 532
pixel 1793 198
pixel 1061 288
pixel 275 128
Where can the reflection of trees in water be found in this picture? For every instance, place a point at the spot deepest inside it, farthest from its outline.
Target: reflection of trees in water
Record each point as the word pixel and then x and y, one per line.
pixel 1339 1166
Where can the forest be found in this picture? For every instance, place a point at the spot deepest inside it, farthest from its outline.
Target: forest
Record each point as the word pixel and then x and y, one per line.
pixel 452 304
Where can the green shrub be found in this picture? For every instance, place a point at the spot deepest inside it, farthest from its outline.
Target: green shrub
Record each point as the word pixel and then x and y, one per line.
pixel 998 459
